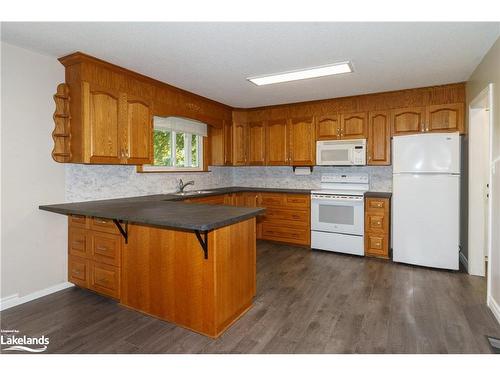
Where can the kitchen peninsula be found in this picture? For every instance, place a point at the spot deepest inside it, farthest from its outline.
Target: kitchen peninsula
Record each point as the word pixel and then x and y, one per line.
pixel 190 264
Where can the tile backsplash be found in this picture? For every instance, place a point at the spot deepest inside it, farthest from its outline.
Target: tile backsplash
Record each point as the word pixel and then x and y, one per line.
pixel 380 177
pixel 88 182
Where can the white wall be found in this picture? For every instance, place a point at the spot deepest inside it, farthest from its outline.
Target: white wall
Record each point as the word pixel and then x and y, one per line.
pixel 488 71
pixel 33 252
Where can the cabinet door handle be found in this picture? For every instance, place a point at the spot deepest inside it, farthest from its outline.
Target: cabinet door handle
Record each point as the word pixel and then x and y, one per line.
pixel 101 248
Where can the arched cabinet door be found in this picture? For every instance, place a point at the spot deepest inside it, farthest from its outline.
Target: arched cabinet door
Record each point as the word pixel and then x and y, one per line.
pixel 408 120
pixel 302 141
pixel 139 132
pixel 277 142
pixel 240 143
pixel 256 143
pixel 353 125
pixel 328 127
pixel 379 138
pixel 102 122
pixel 445 117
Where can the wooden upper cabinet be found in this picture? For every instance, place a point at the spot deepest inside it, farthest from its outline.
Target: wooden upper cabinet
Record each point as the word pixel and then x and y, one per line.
pixel 239 144
pixel 408 120
pixel 302 141
pixel 117 129
pixel 103 113
pixel 256 143
pixel 328 127
pixel 221 144
pixel 216 141
pixel 353 125
pixel 379 138
pixel 139 134
pixel 445 117
pixel 277 142
pixel 228 143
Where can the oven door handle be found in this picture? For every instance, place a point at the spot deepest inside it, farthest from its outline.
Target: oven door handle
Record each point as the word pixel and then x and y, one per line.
pixel 333 200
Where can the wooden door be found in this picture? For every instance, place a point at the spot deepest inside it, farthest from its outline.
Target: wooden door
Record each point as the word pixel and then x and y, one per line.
pixel 445 118
pixel 302 141
pixel 353 125
pixel 102 112
pixel 408 120
pixel 139 132
pixel 277 142
pixel 228 143
pixel 239 144
pixel 379 138
pixel 327 127
pixel 256 143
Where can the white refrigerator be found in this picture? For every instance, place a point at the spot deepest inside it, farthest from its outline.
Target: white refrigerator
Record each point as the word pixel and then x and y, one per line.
pixel 426 199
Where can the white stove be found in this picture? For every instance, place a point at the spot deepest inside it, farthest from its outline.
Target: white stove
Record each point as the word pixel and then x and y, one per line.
pixel 337 213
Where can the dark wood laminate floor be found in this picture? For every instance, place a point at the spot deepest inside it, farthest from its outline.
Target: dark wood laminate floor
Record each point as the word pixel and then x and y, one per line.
pixel 307 302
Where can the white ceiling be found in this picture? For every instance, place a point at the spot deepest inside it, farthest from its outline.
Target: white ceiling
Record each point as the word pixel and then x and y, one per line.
pixel 214 59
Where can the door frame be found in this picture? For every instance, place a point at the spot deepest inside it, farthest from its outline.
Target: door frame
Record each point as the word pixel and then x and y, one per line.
pixel 483 101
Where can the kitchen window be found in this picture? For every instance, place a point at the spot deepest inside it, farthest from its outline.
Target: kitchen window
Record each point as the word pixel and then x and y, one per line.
pixel 177 145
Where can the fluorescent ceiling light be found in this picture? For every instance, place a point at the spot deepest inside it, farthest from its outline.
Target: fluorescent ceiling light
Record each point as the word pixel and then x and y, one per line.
pixel 319 71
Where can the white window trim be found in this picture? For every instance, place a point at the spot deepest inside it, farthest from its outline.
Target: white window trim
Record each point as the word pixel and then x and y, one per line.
pixel 160 168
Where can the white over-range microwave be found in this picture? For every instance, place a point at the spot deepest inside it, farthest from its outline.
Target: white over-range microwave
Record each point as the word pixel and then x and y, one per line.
pixel 342 152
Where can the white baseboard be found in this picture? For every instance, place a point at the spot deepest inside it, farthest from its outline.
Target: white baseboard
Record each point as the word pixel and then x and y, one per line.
pixel 14 300
pixel 464 261
pixel 494 307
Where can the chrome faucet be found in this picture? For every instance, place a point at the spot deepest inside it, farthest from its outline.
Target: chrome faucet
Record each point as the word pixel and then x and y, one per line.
pixel 181 185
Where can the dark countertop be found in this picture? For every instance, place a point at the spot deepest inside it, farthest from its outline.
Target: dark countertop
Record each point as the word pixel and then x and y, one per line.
pixel 153 210
pixel 237 189
pixel 167 210
pixel 378 194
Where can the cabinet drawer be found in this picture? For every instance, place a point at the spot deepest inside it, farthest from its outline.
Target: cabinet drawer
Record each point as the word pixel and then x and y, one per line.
pixel 376 204
pixel 273 214
pixel 77 221
pixel 103 225
pixel 285 234
pixel 106 248
pixel 77 242
pixel 78 271
pixel 377 245
pixel 376 222
pixel 297 201
pixel 272 200
pixel 105 279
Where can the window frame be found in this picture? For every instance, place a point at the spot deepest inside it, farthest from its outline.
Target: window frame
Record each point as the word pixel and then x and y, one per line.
pixel 187 155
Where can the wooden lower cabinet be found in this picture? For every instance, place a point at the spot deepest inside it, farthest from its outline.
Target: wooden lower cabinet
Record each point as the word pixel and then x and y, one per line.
pixel 287 218
pixel 166 275
pixel 94 255
pixel 78 271
pixel 377 227
pixel 105 279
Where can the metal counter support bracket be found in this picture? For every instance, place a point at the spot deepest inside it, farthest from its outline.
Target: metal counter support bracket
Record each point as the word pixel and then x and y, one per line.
pixel 124 232
pixel 203 241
